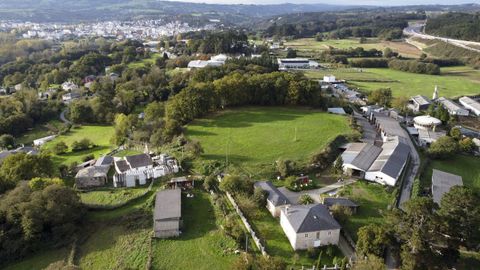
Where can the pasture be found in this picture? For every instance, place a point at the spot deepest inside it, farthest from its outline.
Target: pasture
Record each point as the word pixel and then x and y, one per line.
pixel 99 135
pixel 453 81
pixel 310 45
pixel 258 136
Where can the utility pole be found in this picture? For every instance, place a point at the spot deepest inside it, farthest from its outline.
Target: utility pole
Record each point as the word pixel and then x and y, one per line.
pixel 246 242
pixel 295 139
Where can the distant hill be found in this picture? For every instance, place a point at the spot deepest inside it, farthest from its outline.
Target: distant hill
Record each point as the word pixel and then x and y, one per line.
pixel 83 10
pixel 463 26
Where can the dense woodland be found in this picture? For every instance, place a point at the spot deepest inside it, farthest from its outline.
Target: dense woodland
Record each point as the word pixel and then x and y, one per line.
pixel 464 26
pixel 342 25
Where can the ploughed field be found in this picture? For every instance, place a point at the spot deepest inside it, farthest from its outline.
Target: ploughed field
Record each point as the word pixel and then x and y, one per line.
pixel 261 135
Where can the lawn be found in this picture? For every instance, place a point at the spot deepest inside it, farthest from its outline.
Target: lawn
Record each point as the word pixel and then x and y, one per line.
pixel 453 82
pixel 143 62
pixel 373 200
pixel 111 196
pixel 269 230
pixel 310 45
pixel 39 131
pixel 99 135
pixel 465 166
pixel 201 245
pixel 258 136
pixel 40 260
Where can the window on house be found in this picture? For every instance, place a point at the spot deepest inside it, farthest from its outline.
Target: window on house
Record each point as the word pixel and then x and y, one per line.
pixel 306 235
pixel 329 233
pixel 318 235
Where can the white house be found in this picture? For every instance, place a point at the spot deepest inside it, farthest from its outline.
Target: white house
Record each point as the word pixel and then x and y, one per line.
pixel 329 79
pixel 167 216
pixel 309 226
pixel 276 201
pixel 296 63
pixel 452 107
pixel 70 96
pixel 41 141
pixel 470 104
pixel 134 170
pixel 69 86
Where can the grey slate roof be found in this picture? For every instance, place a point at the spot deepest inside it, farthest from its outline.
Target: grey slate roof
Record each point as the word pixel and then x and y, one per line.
pixel 105 160
pixel 442 182
pixel 421 100
pixel 310 218
pixel 94 171
pixel 339 201
pixel 137 161
pixel 168 204
pixel 274 195
pixel 122 165
pixel 394 164
pixel 366 156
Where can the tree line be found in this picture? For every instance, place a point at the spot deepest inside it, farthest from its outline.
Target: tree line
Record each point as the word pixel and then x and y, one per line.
pixel 457 25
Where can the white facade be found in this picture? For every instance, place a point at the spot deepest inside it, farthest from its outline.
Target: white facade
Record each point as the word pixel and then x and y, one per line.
pixel 296 63
pixel 380 177
pixel 329 79
pixel 302 241
pixel 41 141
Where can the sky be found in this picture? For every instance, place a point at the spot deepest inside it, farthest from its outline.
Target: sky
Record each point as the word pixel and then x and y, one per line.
pixel 340 2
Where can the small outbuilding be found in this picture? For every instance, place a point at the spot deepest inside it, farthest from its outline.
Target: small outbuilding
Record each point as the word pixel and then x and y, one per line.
pixel 426 122
pixel 442 182
pixel 90 177
pixel 330 202
pixel 276 201
pixel 167 216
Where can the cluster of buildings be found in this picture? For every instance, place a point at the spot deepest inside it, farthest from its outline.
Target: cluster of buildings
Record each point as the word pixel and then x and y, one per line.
pixel 23 149
pixel 467 106
pixel 129 171
pixel 138 30
pixel 306 226
pixel 215 61
pixel 340 90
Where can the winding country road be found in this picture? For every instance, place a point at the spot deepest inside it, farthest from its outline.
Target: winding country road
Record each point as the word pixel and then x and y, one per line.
pixel 415 30
pixel 63 118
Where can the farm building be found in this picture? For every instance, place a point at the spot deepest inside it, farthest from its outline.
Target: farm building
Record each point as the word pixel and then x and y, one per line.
pixel 90 177
pixel 442 182
pixel 167 216
pixel 426 122
pixel 418 103
pixel 41 141
pixel 330 202
pixel 470 104
pixel 452 107
pixel 296 63
pixel 309 226
pixel 24 149
pixel 276 201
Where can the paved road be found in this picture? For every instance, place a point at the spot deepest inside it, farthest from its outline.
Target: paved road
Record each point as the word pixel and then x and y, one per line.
pixel 415 30
pixel 63 118
pixel 369 133
pixel 314 193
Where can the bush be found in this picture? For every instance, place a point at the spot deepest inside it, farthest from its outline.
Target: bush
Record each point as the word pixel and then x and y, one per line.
pixel 443 147
pixel 209 182
pixel 237 185
pixel 60 148
pixel 305 199
pixel 81 145
pixel 414 66
pixel 88 157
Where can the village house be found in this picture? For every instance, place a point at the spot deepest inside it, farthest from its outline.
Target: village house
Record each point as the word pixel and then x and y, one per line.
pixel 93 176
pixel 276 201
pixel 419 103
pixel 68 97
pixel 167 216
pixel 131 171
pixel 309 226
pixel 442 182
pixel 69 86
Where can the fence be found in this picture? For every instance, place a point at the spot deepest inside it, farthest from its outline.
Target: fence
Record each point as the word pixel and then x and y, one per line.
pixel 247 225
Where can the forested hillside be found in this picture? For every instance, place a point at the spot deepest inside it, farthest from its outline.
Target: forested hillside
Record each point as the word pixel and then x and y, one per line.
pixel 455 25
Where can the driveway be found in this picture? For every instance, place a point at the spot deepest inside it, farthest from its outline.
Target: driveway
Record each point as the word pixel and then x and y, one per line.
pixel 369 134
pixel 63 118
pixel 314 193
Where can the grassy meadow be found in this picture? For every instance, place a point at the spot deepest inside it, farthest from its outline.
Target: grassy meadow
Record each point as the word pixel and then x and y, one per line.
pixel 373 200
pixel 111 196
pixel 39 131
pixel 258 136
pixel 453 82
pixel 465 166
pixel 99 135
pixel 307 46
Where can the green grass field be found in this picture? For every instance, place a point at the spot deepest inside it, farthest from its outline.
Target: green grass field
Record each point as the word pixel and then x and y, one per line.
pixel 454 81
pixel 99 135
pixel 111 196
pixel 201 245
pixel 143 62
pixel 39 131
pixel 258 136
pixel 465 166
pixel 40 260
pixel 306 46
pixel 373 200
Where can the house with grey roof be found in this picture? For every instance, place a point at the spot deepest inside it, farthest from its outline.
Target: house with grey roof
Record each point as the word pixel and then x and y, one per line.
pixel 276 201
pixel 330 202
pixel 167 215
pixel 471 104
pixel 91 177
pixel 418 103
pixel 309 226
pixel 442 182
pixel 23 149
